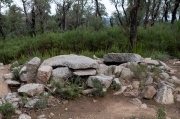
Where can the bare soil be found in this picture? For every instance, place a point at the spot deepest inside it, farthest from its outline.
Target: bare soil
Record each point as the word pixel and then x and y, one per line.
pixel 108 107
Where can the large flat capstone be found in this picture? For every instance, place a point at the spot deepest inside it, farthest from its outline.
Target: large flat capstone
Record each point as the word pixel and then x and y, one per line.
pixel 71 61
pixel 121 57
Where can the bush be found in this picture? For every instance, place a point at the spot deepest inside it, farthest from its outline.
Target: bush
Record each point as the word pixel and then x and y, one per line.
pixel 43 101
pixel 161 113
pixel 7 110
pixel 99 89
pixel 70 90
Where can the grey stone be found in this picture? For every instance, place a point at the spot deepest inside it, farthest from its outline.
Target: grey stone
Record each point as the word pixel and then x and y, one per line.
pixel 164 76
pixel 149 92
pixel 105 80
pixel 178 97
pixel 31 103
pixel 149 81
pixel 143 106
pixel 122 57
pixel 104 69
pixel 126 73
pixel 32 68
pixel 85 72
pixel 151 62
pixel 130 94
pixel 43 74
pixel 32 89
pixel 118 70
pixel 135 101
pixel 123 88
pixel 71 61
pixel 24 116
pixel 174 80
pixel 61 73
pixel 116 80
pixel 8 76
pixel 164 95
pixel 12 83
pixel 135 84
pixel 88 91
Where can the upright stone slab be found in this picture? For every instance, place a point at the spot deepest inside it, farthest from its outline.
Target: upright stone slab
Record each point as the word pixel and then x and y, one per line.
pixel 43 75
pixel 32 68
pixel 121 57
pixel 71 61
pixel 85 72
pixel 164 95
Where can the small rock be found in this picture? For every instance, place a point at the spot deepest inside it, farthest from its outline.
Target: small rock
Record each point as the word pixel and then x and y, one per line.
pixel 66 109
pixel 117 70
pixel 151 62
pixel 164 76
pixel 31 103
pixel 41 116
pixel 52 114
pixel 94 101
pixel 8 76
pixel 24 116
pixel 178 97
pixel 88 91
pixel 149 92
pixel 149 81
pixel 12 83
pixel 123 88
pixel 116 80
pixel 65 102
pixel 126 74
pixel 129 94
pixel 135 101
pixel 18 112
pixel 135 84
pixel 143 106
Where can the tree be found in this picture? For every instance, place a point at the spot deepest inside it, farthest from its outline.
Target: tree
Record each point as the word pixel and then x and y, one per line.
pixel 6 2
pixel 175 11
pixel 133 21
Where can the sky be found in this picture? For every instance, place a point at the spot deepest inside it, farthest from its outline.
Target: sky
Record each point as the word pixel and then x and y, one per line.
pixel 109 7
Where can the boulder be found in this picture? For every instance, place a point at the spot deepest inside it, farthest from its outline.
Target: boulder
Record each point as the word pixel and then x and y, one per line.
pixel 126 73
pixel 43 74
pixel 103 69
pixel 151 62
pixel 85 72
pixel 164 76
pixel 71 61
pixel 4 89
pixel 149 92
pixel 143 106
pixel 121 57
pixel 61 73
pixel 24 116
pixel 174 80
pixel 12 83
pixel 32 68
pixel 118 70
pixel 164 95
pixel 135 101
pixel 105 80
pixel 32 89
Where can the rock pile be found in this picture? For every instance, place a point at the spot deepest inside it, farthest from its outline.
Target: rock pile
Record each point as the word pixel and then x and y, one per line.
pixel 138 77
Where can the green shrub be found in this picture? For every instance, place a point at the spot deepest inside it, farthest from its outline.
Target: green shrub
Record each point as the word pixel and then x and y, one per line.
pixel 161 113
pixel 43 101
pixel 16 75
pixel 7 110
pixel 115 86
pixel 70 90
pixel 99 88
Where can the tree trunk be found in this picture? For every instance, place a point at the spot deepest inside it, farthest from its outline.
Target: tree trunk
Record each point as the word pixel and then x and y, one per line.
pixel 33 25
pixel 147 13
pixel 1 28
pixel 119 16
pixel 175 11
pixel 167 3
pixel 133 26
pixel 97 9
pixel 111 22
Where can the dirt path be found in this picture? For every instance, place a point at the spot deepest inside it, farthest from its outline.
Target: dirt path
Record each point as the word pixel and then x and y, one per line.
pixel 3 86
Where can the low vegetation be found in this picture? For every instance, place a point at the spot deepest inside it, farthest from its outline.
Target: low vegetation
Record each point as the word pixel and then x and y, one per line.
pixel 7 110
pixel 161 113
pixel 159 42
